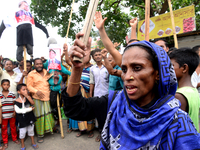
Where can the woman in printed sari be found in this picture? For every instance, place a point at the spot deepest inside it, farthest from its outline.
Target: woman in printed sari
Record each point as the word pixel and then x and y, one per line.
pixel 145 114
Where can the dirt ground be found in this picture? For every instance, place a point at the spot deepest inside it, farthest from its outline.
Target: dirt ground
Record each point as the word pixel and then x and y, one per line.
pixel 55 142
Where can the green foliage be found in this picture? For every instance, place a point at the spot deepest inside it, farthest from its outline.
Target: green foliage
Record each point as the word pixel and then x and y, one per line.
pixel 118 13
pixel 100 44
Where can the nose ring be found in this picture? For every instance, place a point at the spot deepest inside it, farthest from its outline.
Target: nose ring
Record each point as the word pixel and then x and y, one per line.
pixel 132 77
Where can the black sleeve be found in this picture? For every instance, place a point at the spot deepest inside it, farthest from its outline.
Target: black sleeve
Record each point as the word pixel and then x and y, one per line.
pixel 2 28
pixel 43 28
pixel 17 103
pixel 85 109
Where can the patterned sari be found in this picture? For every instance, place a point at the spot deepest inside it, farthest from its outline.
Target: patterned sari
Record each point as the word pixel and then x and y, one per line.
pixel 45 121
pixel 85 125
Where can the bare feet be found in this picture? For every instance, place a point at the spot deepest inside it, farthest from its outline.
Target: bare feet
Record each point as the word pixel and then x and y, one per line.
pixel 17 142
pixel 5 145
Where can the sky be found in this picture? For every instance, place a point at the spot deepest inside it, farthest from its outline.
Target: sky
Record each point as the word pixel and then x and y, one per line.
pixel 8 39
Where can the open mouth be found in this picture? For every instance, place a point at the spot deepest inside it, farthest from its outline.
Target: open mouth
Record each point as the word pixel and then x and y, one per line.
pixel 56 78
pixel 131 89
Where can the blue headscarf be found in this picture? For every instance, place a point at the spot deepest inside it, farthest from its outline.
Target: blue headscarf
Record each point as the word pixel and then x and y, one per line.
pixel 160 126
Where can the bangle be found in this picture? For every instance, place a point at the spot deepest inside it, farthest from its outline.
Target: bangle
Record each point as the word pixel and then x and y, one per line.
pixel 76 83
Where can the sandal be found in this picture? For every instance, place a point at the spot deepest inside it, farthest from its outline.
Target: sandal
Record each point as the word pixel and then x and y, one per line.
pixel 40 140
pixel 56 131
pixel 97 139
pixel 69 130
pixel 24 148
pixel 79 134
pixel 91 134
pixel 35 146
pixel 17 142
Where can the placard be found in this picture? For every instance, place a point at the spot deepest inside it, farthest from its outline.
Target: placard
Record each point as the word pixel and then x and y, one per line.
pixel 54 61
pixel 161 26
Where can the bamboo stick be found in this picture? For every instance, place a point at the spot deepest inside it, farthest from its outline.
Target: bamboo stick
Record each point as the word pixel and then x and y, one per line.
pixel 173 24
pixel 60 118
pixel 24 47
pixel 88 23
pixel 147 19
pixel 69 21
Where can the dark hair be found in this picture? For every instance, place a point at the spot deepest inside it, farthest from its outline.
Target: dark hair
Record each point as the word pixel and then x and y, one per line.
pixel 5 80
pixel 132 40
pixel 186 56
pixel 171 49
pixel 5 59
pixel 15 63
pixel 196 49
pixel 52 51
pixel 160 39
pixel 21 3
pixel 28 61
pixel 37 59
pixel 152 55
pixel 19 86
pixel 95 51
pixel 9 60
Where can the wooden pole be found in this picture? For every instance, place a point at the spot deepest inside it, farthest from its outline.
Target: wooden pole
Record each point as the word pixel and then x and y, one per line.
pixel 88 23
pixel 69 21
pixel 173 24
pixel 147 19
pixel 60 118
pixel 24 47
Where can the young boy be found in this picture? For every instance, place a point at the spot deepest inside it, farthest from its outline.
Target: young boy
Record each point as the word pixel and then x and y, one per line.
pixel 8 113
pixel 24 114
pixel 185 61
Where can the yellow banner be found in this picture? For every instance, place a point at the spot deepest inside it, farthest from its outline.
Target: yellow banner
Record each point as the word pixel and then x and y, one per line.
pixel 161 26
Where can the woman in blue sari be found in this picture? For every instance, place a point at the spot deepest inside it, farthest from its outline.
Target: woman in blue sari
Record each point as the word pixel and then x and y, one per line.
pixel 145 114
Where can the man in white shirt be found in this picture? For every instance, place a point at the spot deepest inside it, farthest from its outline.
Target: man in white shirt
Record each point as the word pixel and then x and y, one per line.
pixel 9 74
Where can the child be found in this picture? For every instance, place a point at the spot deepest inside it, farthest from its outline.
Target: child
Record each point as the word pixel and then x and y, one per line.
pixel 185 61
pixel 8 113
pixel 25 116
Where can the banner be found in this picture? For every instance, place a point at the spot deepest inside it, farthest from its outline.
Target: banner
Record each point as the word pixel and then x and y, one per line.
pixel 161 26
pixel 54 61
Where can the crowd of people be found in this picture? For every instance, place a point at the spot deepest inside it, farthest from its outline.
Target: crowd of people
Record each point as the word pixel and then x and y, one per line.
pixel 147 98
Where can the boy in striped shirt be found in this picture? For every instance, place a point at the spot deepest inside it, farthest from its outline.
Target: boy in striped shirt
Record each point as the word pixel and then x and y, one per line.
pixel 8 113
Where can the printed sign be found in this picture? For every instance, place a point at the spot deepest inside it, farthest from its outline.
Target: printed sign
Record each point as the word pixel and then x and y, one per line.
pixel 161 26
pixel 54 61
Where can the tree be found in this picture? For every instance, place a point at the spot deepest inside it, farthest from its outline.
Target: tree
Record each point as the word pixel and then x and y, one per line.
pixel 56 13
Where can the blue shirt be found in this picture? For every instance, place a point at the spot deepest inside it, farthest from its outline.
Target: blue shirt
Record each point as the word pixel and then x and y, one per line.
pixel 99 77
pixel 85 79
pixel 115 82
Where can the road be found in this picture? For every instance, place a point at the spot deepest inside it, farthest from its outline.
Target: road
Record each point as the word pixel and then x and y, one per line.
pixel 55 142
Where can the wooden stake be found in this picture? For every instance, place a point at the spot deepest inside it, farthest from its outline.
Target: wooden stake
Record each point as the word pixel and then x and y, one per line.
pixel 60 118
pixel 88 23
pixel 147 19
pixel 24 47
pixel 173 24
pixel 69 21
